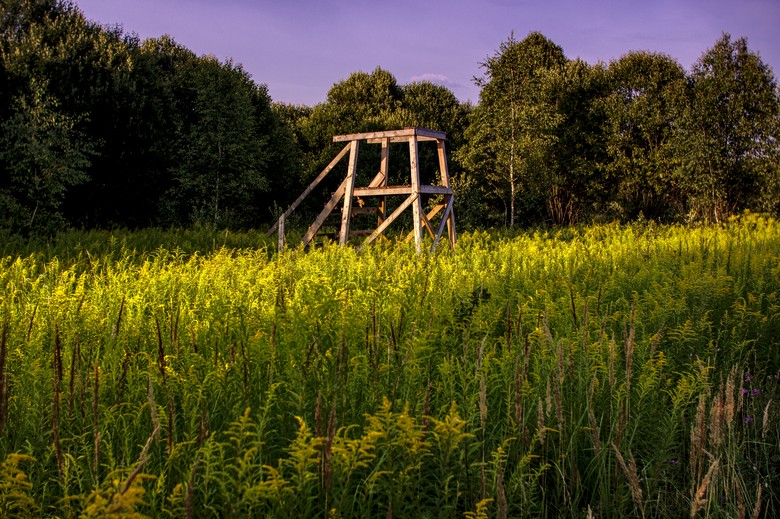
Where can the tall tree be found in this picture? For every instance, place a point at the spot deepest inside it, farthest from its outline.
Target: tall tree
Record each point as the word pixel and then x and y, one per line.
pixel 513 127
pixel 575 183
pixel 222 157
pixel 732 141
pixel 644 109
pixel 43 155
pixel 44 150
pixel 428 105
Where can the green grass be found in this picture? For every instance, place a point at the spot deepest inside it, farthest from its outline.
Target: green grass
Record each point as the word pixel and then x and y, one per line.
pixel 618 371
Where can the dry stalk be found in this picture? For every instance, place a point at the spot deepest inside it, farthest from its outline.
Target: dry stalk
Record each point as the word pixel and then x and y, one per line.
pixel 630 471
pixel 318 431
pixel 765 425
pixel 189 496
pixel 630 357
pixel 557 388
pixel 426 410
pixel 3 379
pixel 326 452
pixel 152 404
pixel 594 426
pixel 757 508
pixel 508 337
pixel 55 413
pixel 540 428
pixel 142 459
pixel 518 396
pixel 585 327
pixel 717 413
pixel 502 512
pixel 520 321
pixel 160 352
pixel 698 439
pixel 72 377
pixel 698 498
pixel 730 406
pixel 612 363
pixel 95 418
pixel 482 400
pixel 573 307
pixel 171 430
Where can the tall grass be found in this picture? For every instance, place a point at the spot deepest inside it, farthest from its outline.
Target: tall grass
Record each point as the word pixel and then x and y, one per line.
pixel 602 371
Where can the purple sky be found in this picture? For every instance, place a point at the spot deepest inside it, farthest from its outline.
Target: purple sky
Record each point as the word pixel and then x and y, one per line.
pixel 300 48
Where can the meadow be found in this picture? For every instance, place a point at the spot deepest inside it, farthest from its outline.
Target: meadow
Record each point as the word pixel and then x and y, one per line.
pixel 600 371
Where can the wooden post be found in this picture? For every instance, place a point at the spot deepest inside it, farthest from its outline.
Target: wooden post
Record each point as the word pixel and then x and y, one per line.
pixel 445 181
pixel 414 166
pixel 346 212
pixel 280 246
pixel 383 169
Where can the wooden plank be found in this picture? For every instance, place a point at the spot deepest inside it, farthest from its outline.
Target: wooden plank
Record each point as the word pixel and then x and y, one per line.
pixel 309 189
pixel 346 212
pixel 280 244
pixel 451 223
pixel 401 190
pixel 378 180
pixel 435 190
pixel 407 132
pixel 384 165
pixel 444 220
pixel 445 181
pixel 396 140
pixel 365 210
pixel 329 206
pixel 414 166
pixel 400 209
pixel 433 212
pixel 427 225
pixel 424 133
pixel 383 191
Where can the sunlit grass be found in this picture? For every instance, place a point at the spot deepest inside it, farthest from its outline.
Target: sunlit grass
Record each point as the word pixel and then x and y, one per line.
pixel 625 371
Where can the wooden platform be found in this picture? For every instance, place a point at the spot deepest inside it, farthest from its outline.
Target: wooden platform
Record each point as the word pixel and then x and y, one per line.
pixel 414 192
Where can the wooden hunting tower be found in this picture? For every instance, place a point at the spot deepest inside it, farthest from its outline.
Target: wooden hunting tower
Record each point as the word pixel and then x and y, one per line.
pixel 379 188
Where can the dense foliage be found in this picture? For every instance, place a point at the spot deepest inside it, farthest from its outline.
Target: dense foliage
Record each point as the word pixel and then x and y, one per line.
pixel 99 129
pixel 618 371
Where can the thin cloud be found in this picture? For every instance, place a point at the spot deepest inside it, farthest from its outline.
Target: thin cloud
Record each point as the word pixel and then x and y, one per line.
pixel 440 79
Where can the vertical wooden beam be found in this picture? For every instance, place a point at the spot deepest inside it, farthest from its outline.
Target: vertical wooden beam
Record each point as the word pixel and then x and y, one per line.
pixel 346 212
pixel 414 166
pixel 445 181
pixel 280 244
pixel 383 169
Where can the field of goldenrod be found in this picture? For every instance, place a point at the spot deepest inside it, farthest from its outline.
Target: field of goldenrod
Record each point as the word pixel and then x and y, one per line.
pixel 603 371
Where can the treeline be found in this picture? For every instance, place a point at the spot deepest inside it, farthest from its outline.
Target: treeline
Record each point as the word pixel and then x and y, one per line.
pixel 99 129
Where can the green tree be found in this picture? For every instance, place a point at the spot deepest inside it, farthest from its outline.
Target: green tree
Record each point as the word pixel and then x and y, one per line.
pixel 44 150
pixel 225 146
pixel 43 155
pixel 428 105
pixel 732 134
pixel 575 184
pixel 513 127
pixel 644 108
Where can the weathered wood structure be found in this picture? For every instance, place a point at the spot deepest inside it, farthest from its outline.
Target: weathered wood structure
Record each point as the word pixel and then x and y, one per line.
pixel 348 191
